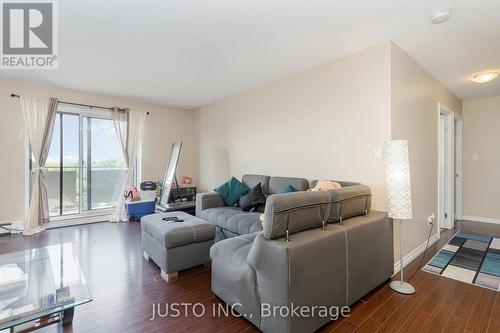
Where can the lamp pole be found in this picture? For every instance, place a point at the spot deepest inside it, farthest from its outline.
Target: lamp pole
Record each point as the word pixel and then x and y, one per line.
pixel 401 267
pixel 401 286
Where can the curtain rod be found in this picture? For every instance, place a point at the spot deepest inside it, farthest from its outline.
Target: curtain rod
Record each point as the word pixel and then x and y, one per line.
pixel 79 104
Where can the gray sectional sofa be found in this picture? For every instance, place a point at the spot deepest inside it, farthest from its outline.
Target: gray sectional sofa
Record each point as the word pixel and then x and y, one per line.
pixel 232 221
pixel 351 200
pixel 313 250
pixel 301 260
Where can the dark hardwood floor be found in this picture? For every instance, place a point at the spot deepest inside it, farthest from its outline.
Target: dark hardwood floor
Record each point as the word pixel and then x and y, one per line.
pixel 125 286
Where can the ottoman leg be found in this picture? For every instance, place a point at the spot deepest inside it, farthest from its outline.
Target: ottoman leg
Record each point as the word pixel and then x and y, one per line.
pixel 168 277
pixel 145 255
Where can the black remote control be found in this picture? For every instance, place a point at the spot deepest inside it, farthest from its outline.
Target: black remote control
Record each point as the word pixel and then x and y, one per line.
pixel 172 219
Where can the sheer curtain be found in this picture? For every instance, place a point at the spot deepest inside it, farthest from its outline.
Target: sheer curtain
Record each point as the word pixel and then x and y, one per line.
pixel 39 115
pixel 129 126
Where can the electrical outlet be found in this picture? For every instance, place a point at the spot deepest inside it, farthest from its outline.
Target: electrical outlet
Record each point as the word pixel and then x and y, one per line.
pixel 430 218
pixel 377 153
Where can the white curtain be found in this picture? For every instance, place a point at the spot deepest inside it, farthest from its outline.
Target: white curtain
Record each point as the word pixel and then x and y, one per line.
pixel 39 115
pixel 129 126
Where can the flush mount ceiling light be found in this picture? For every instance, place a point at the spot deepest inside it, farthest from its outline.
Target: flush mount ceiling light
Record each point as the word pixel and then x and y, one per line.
pixel 484 77
pixel 441 16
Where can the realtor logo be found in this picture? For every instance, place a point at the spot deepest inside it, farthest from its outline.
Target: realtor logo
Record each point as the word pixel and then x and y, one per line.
pixel 29 34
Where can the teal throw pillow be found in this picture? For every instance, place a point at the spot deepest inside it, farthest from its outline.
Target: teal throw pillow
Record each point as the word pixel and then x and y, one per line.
pixel 289 189
pixel 231 191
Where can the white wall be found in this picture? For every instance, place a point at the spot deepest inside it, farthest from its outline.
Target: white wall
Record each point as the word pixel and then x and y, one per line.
pixel 482 176
pixel 322 123
pixel 163 126
pixel 415 95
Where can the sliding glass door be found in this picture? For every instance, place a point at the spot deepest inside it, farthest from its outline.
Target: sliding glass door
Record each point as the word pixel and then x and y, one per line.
pixel 63 166
pixel 85 163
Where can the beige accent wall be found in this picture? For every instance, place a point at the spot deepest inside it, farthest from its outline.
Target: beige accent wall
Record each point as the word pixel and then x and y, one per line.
pixel 163 126
pixel 415 95
pixel 481 136
pixel 326 123
pixel 322 123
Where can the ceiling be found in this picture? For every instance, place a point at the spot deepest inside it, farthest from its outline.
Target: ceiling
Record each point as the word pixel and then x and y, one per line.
pixel 193 52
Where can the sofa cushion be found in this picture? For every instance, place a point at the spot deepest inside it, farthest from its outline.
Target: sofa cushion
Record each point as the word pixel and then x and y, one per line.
pixel 353 199
pixel 231 191
pixel 238 247
pixel 253 199
pixel 233 279
pixel 277 184
pixel 349 202
pixel 233 219
pixel 252 180
pixel 295 212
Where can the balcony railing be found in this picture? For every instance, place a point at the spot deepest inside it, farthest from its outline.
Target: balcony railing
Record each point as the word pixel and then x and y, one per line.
pixel 100 188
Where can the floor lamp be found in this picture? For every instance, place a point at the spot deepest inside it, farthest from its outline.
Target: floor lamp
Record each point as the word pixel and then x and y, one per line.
pixel 397 173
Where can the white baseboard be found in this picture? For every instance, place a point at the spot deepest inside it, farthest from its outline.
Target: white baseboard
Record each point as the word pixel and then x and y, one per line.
pixel 9 222
pixel 415 253
pixel 77 221
pixel 13 226
pixel 18 227
pixel 481 219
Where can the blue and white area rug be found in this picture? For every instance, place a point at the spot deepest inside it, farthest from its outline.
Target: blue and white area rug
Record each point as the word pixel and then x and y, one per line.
pixel 471 258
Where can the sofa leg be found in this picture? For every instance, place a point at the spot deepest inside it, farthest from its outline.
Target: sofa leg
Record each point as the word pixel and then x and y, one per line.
pixel 168 277
pixel 145 255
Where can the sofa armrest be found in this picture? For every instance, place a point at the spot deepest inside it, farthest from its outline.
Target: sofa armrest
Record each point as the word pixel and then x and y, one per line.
pixel 208 200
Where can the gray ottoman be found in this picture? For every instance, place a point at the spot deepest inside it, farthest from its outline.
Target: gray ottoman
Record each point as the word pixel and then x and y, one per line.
pixel 175 246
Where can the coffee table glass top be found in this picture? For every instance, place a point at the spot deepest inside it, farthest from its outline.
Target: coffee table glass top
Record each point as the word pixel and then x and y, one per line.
pixel 40 282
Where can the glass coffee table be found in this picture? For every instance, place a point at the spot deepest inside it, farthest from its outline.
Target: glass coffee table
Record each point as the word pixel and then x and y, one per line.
pixel 39 287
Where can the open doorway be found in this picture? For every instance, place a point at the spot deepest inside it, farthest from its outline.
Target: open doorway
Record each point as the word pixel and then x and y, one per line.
pixel 449 167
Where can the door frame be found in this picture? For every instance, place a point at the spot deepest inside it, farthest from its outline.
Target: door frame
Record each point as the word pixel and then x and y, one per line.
pixel 459 128
pixel 449 194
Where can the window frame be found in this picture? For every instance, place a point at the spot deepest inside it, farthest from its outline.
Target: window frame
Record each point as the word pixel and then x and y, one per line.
pixel 89 214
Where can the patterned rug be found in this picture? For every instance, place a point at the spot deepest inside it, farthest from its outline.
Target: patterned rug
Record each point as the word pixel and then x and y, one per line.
pixel 471 258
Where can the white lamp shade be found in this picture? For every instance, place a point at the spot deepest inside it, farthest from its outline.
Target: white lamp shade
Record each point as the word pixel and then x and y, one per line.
pixel 397 174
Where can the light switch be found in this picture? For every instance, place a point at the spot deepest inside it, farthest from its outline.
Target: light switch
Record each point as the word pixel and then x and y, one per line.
pixel 475 156
pixel 377 152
